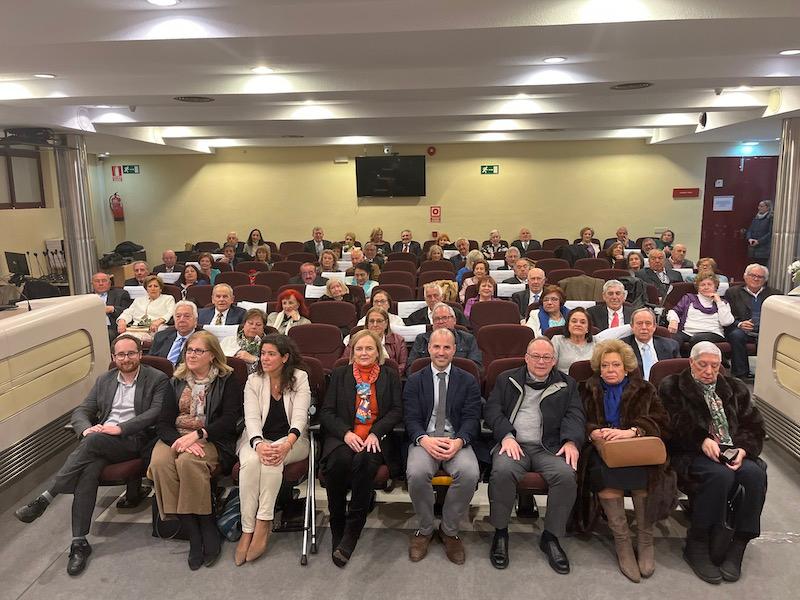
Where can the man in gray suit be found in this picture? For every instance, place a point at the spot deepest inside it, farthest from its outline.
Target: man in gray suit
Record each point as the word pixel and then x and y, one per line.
pixel 114 423
pixel 658 274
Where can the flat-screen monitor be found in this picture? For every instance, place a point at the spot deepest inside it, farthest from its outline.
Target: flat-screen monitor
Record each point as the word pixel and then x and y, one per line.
pixel 390 176
pixel 17 263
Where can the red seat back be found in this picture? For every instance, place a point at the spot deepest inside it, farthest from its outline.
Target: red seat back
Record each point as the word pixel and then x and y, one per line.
pixel 200 295
pixel 302 256
pixel 669 366
pixel 233 278
pixel 288 247
pixel 503 341
pixel 496 367
pixel 339 313
pixel 292 267
pixel 398 292
pixel 493 312
pixel 252 293
pixel 556 275
pixel 251 265
pixel 437 265
pixel 553 243
pixel 590 265
pixel 406 266
pixel 548 264
pixel 273 279
pixel 319 340
pixel 609 274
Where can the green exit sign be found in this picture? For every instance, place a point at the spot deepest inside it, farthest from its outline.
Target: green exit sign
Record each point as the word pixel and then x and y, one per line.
pixel 130 169
pixel 490 169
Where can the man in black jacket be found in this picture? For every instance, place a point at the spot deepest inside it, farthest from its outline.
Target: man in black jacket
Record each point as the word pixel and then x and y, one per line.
pixel 406 244
pixel 538 424
pixel 170 263
pixel 613 312
pixel 424 315
pixel 169 342
pixel 533 293
pixel 657 274
pixel 115 299
pixel 308 276
pixel 140 273
pixel 114 423
pixel 317 244
pixel 526 243
pixel 444 317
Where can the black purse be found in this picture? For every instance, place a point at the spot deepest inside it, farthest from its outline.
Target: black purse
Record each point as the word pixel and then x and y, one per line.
pixel 166 530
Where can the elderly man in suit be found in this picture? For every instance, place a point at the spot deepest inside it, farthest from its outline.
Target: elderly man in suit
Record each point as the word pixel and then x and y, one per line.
pixel 114 423
pixel 169 264
pixel 308 275
pixel 233 239
pixel 223 312
pixel 613 312
pixel 622 238
pixel 140 273
pixel 526 243
pixel 169 342
pixel 532 294
pixel 657 273
pixel 406 244
pixel 521 268
pixel 317 244
pixel 678 260
pixel 444 317
pixel 115 299
pixel 432 294
pixel 442 410
pixel 648 347
pixel 460 259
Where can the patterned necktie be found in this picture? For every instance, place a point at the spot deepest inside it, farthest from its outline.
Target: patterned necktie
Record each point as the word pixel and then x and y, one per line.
pixel 405 248
pixel 647 361
pixel 534 298
pixel 175 351
pixel 218 320
pixel 615 320
pixel 441 407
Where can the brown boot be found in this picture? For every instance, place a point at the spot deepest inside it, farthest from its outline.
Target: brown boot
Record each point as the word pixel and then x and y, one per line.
pixel 260 538
pixel 240 556
pixel 644 543
pixel 618 523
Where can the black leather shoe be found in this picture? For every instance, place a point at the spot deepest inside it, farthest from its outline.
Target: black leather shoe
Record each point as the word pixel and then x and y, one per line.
pixel 499 552
pixel 79 553
pixel 555 555
pixel 32 510
pixel 128 502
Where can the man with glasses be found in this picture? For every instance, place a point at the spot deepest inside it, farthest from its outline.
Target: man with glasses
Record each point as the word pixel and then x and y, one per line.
pixel 169 342
pixel 114 423
pixel 444 317
pixel 745 302
pixel 538 424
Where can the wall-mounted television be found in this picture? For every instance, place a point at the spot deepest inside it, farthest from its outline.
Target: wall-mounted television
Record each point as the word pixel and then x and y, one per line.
pixel 390 176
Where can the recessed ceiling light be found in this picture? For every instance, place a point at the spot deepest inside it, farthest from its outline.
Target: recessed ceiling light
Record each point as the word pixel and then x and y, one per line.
pixel 193 99
pixel 552 60
pixel 791 52
pixel 262 70
pixel 636 85
pixel 44 75
pixel 163 2
pixel 749 143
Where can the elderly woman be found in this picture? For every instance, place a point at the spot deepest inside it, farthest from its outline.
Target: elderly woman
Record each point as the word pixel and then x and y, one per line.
pixel 551 311
pixel 376 237
pixel 443 240
pixel 487 288
pixel 480 268
pixel 473 256
pixel 254 242
pixel 336 290
pixel 148 312
pixel 206 262
pixel 494 246
pixel 717 434
pixel 328 263
pixel 361 277
pixel 350 242
pixel 614 252
pixel 361 408
pixel 701 316
pixel 293 312
pixel 190 276
pixel 759 234
pixel 382 299
pixel 435 252
pixel 197 434
pixel 246 344
pixel 577 343
pixel 706 265
pixel 634 262
pixel 276 401
pixel 666 241
pixel 377 321
pixel 586 235
pixel 619 404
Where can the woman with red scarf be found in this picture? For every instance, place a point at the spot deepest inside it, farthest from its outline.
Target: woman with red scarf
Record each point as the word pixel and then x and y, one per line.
pixel 362 406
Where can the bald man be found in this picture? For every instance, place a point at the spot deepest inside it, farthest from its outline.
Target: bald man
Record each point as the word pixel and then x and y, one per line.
pixel 170 263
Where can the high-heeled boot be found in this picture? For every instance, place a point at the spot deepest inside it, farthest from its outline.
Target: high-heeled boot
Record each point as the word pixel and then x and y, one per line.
pixel 191 526
pixel 644 539
pixel 618 523
pixel 212 544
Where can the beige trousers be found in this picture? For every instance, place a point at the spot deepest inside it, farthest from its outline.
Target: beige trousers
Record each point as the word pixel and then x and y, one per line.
pixel 182 480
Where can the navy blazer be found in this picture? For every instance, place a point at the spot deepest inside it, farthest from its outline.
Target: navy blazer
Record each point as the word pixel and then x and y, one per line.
pixel 413 247
pixel 235 316
pixel 162 343
pixel 463 404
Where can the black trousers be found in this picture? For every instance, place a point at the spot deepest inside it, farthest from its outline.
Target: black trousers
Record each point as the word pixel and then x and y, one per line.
pixel 738 340
pixel 345 469
pixel 682 338
pixel 715 482
pixel 80 474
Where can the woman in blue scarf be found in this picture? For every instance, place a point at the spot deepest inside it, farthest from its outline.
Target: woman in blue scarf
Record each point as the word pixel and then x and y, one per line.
pixel 551 311
pixel 619 404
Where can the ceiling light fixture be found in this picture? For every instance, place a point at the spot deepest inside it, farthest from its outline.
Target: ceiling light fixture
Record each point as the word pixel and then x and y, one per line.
pixel 262 70
pixel 193 99
pixel 790 52
pixel 749 143
pixel 553 60
pixel 163 2
pixel 636 85
pixel 44 75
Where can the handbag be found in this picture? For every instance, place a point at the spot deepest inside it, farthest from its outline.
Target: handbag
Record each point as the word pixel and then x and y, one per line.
pixel 229 522
pixel 169 529
pixel 632 452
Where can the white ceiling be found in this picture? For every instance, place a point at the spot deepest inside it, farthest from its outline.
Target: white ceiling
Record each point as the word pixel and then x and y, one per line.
pixel 397 71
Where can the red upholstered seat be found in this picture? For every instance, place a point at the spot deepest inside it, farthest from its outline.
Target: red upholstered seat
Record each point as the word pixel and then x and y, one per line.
pixel 292 267
pixel 251 265
pixel 320 340
pixel 532 483
pixel 398 277
pixel 548 264
pixel 288 247
pixel 200 295
pixel 274 279
pixel 554 243
pixel 609 274
pixel 398 292
pixel 590 265
pixel 581 370
pixel 554 276
pixel 437 265
pixel 233 278
pixel 539 254
pixel 492 313
pixel 252 293
pixel 669 366
pixel 120 473
pixel 496 367
pixel 503 340
pixel 341 314
pixel 302 256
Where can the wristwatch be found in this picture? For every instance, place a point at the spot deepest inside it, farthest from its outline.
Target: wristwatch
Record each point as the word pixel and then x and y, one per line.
pixel 200 433
pixel 637 431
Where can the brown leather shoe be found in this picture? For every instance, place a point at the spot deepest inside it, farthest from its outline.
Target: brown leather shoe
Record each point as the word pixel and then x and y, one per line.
pixel 418 546
pixel 453 547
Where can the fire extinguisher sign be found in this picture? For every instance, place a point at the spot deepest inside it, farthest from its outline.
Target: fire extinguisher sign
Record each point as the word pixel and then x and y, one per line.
pixel 116 172
pixel 436 214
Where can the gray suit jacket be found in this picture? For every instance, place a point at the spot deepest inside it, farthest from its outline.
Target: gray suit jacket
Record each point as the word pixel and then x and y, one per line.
pixel 152 390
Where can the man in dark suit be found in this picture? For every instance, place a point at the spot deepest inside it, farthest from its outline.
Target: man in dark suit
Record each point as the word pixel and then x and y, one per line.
pixel 645 344
pixel 424 316
pixel 622 238
pixel 223 312
pixel 115 299
pixel 317 244
pixel 442 411
pixel 657 274
pixel 745 302
pixel 521 268
pixel 114 423
pixel 371 256
pixel 613 312
pixel 140 272
pixel 169 342
pixel 170 263
pixel 511 258
pixel 444 317
pixel 233 239
pixel 532 294
pixel 308 276
pixel 526 243
pixel 460 259
pixel 406 244
pixel 678 260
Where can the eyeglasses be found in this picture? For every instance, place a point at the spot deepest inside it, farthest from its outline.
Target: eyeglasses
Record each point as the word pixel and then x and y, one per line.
pixel 123 355
pixel 540 357
pixel 376 321
pixel 751 276
pixel 197 351
pixel 551 299
pixel 440 319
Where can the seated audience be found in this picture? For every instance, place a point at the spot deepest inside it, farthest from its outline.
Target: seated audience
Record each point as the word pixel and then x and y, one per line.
pixel 666 241
pixel 648 244
pixel 521 268
pixel 634 262
pixel 480 268
pixel 111 427
pixel 308 276
pixel 336 290
pixel 361 278
pixel 149 312
pixel 293 313
pixel 702 316
pixel 115 299
pixel 445 317
pixel 622 238
pixel 263 255
pixel 648 347
pixel 197 434
pixel 614 252
pixel 706 265
pixel 473 256
pixel 406 244
pixel 442 412
pixel 551 311
pixel 494 247
pixel 328 263
pixel 356 440
pixel 229 258
pixel 443 240
pixel 206 262
pixel 537 424
pixel 592 249
pixel 316 244
pixel 459 260
pixel 511 258
pixel 349 242
pixel 382 299
pixel 745 303
pixel 432 294
pixel 576 343
pixel 246 344
pixel 487 291
pixel 678 260
pixel 223 312
pixel 376 237
pixel 434 252
pixel 357 258
pixel 169 264
pixel 140 273
pixel 657 274
pixel 710 414
pixel 190 276
pixel 377 321
pixel 372 257
pixel 254 241
pixel 233 239
pixel 276 401
pixel 613 312
pixel 525 242
pixel 619 404
pixel 169 342
pixel 532 294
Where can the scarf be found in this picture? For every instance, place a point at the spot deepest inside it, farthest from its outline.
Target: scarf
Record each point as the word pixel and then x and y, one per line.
pixel 366 399
pixel 718 428
pixel 197 403
pixel 612 400
pixel 544 318
pixel 764 216
pixel 693 300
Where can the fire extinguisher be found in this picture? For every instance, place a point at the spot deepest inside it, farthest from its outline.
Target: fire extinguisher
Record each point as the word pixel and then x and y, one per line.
pixel 115 204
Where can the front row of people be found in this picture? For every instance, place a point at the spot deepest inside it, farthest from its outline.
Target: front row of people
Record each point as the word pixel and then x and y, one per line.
pixel 541 420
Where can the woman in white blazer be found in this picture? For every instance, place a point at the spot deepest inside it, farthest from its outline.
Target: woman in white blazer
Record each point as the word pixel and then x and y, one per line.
pixel 276 401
